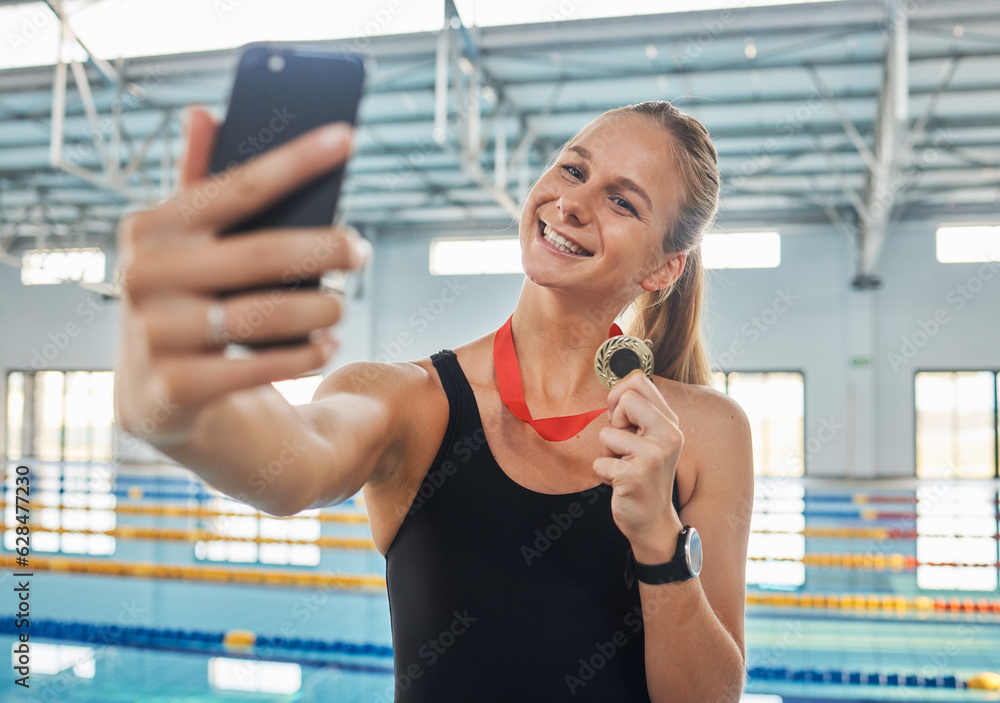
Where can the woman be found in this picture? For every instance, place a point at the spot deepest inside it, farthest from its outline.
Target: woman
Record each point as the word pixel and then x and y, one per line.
pixel 526 560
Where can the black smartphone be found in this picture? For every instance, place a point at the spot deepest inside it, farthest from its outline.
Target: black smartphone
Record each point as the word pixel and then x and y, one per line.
pixel 280 92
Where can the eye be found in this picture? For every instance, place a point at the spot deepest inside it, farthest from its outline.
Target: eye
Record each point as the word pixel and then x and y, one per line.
pixel 623 203
pixel 573 171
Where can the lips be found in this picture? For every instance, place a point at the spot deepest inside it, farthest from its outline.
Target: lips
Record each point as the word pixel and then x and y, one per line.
pixel 561 242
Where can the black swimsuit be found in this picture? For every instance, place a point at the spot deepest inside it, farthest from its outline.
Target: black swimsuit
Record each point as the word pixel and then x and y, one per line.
pixel 500 593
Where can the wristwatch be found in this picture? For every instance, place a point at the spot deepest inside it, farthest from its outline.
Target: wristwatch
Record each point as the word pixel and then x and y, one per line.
pixel 685 565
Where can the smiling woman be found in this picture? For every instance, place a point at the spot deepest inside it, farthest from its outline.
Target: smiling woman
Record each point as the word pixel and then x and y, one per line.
pixel 509 445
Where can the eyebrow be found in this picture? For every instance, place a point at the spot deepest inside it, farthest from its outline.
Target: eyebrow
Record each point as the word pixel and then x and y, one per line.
pixel 627 183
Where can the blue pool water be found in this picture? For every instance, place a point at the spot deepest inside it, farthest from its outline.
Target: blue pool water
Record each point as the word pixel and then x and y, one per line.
pixel 782 641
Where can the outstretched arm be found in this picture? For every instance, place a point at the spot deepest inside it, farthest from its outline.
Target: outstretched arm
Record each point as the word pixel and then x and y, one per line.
pixel 174 386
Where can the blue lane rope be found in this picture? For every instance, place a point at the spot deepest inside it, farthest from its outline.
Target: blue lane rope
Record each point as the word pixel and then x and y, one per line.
pixel 295 649
pixel 164 638
pixel 834 676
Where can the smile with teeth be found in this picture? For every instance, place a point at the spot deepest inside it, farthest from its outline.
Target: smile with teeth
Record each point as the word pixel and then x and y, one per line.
pixel 561 243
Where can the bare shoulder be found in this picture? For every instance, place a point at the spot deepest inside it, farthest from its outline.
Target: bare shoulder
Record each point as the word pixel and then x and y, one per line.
pixel 390 409
pixel 705 405
pixel 715 427
pixel 376 378
pixel 410 392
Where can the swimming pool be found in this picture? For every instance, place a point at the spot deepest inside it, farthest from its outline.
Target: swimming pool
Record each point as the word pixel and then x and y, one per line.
pixel 155 635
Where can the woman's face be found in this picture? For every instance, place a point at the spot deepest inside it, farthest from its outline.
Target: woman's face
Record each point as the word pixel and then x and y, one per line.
pixel 610 196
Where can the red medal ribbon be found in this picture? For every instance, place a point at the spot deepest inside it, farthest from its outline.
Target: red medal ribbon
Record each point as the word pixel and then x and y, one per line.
pixel 554 429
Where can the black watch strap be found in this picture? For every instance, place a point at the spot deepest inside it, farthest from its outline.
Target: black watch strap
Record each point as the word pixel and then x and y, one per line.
pixel 657 574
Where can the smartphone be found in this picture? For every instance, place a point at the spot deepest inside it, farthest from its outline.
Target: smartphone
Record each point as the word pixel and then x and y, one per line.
pixel 280 92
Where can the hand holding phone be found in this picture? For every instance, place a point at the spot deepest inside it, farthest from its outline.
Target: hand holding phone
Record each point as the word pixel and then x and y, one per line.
pixel 174 262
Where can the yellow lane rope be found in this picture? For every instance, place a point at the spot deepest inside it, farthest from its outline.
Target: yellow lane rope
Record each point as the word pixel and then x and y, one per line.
pixel 170 535
pixel 185 511
pixel 167 510
pixel 219 574
pixel 286 577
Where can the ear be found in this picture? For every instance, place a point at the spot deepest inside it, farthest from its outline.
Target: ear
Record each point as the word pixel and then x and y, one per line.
pixel 667 273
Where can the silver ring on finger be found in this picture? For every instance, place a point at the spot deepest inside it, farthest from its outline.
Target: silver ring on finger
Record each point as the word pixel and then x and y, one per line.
pixel 215 330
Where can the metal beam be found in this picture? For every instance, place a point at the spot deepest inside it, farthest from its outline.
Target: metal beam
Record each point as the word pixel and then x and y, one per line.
pixel 879 193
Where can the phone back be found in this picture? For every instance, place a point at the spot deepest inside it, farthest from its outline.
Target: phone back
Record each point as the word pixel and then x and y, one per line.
pixel 280 93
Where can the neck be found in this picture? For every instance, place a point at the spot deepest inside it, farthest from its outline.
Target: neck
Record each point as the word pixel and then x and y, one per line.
pixel 555 339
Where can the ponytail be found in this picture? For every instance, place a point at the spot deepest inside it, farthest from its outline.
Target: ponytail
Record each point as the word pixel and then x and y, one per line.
pixel 671 318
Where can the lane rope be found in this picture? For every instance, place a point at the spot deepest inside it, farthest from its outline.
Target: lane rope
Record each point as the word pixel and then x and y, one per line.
pixel 217 574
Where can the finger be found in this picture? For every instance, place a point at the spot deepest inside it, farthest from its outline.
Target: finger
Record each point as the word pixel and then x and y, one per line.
pixel 607 468
pixel 642 384
pixel 228 197
pixel 634 409
pixel 622 443
pixel 180 323
pixel 199 135
pixel 263 258
pixel 201 379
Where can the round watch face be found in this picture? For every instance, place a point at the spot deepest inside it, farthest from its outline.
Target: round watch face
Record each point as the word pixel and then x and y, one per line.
pixel 693 552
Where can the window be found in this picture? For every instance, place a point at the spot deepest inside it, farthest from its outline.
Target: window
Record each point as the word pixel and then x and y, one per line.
pixel 60 415
pixel 227 674
pixel 956 424
pixel 242 524
pixel 15 416
pixel 299 391
pixel 56 658
pixel 775 406
pixel 776 532
pixel 451 257
pixel 968 244
pixel 741 250
pixel 42 266
pixel 774 402
pixel 957 525
pixel 69 503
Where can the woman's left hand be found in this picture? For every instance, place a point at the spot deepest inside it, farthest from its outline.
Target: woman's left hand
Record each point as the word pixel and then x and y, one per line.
pixel 642 446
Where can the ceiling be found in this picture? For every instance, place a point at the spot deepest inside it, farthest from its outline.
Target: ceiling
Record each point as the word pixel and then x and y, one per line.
pixel 792 96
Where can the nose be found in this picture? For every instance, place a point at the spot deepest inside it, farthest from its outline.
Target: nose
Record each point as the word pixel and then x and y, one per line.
pixel 575 205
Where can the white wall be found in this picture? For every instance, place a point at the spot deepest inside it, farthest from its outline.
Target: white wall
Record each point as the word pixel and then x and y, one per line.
pixel 800 316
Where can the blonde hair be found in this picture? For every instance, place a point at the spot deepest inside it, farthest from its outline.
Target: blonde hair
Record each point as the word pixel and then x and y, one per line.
pixel 671 317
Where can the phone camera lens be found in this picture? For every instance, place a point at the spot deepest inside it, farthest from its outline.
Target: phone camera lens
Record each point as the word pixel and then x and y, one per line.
pixel 276 63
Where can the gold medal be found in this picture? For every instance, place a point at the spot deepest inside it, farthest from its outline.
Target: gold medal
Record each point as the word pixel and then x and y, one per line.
pixel 621 355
